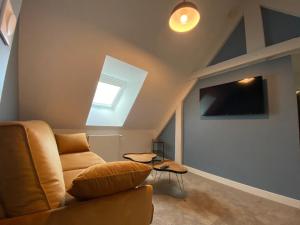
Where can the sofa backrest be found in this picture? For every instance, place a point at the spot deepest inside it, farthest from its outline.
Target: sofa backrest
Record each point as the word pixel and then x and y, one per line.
pixel 2 214
pixel 31 177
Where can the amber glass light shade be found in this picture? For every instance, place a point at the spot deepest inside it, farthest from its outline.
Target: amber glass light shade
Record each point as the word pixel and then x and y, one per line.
pixel 184 17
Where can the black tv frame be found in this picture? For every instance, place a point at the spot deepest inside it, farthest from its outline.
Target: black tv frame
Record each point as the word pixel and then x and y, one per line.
pixel 261 108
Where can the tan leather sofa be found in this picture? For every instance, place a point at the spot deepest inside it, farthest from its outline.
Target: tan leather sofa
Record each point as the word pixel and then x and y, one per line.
pixel 34 179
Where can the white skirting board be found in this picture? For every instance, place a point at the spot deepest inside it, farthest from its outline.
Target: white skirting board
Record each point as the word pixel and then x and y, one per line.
pixel 246 188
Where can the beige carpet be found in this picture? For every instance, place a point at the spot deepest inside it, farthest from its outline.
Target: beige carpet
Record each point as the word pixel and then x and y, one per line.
pixel 209 203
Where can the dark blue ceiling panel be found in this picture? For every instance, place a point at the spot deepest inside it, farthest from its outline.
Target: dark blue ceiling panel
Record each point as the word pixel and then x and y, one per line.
pixel 279 27
pixel 234 46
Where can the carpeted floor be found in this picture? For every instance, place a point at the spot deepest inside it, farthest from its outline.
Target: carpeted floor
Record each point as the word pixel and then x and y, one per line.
pixel 209 203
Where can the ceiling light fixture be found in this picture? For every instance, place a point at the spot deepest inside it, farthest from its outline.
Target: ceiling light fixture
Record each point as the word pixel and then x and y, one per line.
pixel 184 17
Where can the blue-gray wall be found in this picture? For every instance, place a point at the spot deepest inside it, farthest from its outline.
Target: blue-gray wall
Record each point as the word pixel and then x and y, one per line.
pixel 9 104
pixel 234 46
pixel 260 151
pixel 9 74
pixel 168 136
pixel 279 27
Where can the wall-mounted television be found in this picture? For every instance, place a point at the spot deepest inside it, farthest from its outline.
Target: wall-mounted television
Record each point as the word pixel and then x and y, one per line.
pixel 243 97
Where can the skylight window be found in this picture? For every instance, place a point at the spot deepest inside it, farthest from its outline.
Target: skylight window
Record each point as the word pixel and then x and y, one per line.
pixel 106 94
pixel 117 89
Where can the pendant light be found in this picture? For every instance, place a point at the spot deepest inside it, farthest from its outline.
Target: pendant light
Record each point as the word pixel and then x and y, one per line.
pixel 184 17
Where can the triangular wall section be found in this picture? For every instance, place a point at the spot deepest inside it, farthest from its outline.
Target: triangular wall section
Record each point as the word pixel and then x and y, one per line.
pixel 279 27
pixel 234 46
pixel 168 137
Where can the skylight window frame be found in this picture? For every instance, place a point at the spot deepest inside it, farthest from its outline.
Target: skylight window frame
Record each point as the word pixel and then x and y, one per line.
pixel 133 79
pixel 112 81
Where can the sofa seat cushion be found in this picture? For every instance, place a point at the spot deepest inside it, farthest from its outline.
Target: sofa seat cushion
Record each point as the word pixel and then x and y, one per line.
pixel 132 207
pixel 81 160
pixel 109 178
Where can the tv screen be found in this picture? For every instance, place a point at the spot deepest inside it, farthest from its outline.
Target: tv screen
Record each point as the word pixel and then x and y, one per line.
pixel 243 97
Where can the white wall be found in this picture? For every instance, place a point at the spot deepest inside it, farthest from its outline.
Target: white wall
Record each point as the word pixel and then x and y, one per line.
pixel 63 44
pixel 129 141
pixel 107 146
pixel 296 69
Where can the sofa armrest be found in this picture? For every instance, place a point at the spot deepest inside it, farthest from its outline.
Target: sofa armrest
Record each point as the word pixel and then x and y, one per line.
pixel 133 207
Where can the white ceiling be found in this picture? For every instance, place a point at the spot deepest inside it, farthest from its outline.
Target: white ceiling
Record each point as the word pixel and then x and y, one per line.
pixel 63 43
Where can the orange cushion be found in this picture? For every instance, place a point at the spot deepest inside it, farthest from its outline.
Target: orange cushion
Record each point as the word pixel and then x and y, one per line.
pixel 72 143
pixel 109 178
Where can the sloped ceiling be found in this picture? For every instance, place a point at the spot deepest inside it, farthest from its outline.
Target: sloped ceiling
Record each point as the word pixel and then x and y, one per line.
pixel 63 43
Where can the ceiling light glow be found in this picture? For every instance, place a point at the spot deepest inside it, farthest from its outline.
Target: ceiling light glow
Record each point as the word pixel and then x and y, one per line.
pixel 184 17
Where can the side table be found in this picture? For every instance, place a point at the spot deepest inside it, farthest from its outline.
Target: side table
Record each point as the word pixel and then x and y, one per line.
pixel 171 167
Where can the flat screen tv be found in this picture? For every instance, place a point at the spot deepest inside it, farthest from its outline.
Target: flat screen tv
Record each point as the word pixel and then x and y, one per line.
pixel 243 97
